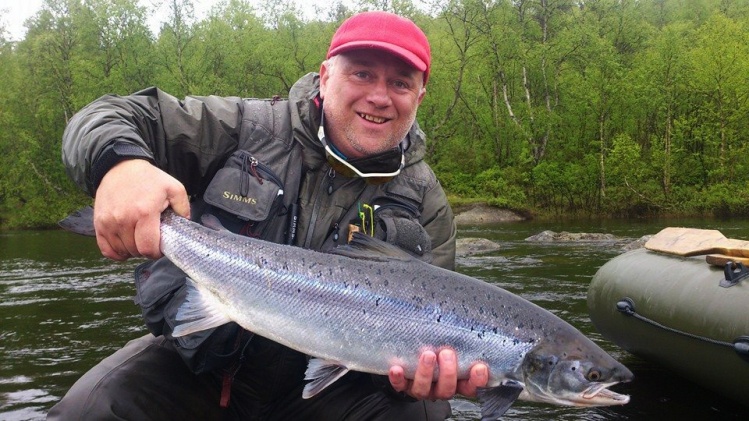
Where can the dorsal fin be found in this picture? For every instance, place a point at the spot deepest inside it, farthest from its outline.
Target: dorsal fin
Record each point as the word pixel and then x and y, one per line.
pixel 211 221
pixel 365 247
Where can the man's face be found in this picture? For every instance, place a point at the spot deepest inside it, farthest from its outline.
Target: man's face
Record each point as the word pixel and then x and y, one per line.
pixel 370 98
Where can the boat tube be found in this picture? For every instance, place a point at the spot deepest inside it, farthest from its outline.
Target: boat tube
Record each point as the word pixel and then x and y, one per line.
pixel 680 312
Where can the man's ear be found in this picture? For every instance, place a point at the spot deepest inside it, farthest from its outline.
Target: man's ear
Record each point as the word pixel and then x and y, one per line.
pixel 422 94
pixel 324 76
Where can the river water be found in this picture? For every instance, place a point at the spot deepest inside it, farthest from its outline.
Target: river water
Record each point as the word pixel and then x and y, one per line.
pixel 63 308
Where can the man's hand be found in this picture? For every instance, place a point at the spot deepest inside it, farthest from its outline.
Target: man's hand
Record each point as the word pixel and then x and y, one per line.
pixel 128 207
pixel 447 385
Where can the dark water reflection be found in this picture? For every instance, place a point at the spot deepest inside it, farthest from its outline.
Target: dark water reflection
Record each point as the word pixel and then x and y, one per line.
pixel 63 308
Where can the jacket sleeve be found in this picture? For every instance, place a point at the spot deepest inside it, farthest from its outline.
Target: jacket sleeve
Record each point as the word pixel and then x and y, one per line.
pixel 437 218
pixel 187 138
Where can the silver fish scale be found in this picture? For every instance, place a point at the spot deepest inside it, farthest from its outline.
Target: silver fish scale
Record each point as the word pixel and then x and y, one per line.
pixel 364 314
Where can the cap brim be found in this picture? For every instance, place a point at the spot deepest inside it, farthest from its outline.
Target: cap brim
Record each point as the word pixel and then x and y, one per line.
pixel 400 52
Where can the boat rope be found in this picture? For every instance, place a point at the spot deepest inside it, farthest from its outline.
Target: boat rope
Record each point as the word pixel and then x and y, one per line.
pixel 626 306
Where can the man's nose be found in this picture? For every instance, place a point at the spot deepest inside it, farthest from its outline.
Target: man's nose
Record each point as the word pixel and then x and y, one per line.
pixel 379 94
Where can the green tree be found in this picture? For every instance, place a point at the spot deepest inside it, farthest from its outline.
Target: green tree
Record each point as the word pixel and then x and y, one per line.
pixel 179 52
pixel 41 98
pixel 115 48
pixel 719 60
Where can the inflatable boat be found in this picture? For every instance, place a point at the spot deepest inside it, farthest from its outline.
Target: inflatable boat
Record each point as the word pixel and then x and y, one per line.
pixel 679 304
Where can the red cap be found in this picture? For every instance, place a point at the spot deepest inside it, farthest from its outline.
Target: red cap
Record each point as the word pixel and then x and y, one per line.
pixel 384 31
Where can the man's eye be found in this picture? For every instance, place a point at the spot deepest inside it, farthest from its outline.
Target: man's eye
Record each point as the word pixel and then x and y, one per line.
pixel 399 84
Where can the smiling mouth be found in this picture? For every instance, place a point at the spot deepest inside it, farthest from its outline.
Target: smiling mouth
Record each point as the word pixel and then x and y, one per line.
pixel 373 119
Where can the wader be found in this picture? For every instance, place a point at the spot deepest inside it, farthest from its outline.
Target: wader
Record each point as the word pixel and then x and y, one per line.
pixel 147 380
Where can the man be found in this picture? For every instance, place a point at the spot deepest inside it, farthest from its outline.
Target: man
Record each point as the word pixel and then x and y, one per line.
pixel 343 153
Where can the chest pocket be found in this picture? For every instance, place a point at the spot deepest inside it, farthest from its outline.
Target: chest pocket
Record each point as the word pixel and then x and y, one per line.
pixel 245 194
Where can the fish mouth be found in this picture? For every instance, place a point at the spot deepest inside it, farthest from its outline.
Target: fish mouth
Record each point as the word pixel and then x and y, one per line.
pixel 600 395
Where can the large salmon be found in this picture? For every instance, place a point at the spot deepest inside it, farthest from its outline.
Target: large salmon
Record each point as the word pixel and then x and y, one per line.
pixel 369 305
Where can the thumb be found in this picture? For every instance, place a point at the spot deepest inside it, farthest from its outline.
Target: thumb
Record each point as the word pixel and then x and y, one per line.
pixel 176 197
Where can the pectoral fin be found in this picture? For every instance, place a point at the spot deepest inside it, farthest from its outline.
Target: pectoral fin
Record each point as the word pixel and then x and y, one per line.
pixel 323 374
pixel 495 401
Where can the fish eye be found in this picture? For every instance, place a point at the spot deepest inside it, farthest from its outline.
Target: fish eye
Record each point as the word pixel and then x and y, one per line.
pixel 594 375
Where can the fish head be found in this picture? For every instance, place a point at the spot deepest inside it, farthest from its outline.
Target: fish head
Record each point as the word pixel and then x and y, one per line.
pixel 574 372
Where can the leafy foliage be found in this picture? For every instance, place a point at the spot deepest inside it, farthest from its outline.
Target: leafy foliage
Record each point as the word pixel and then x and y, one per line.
pixel 617 107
